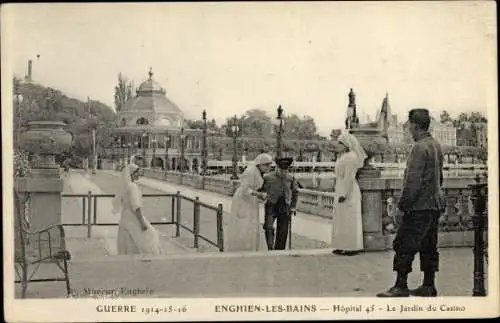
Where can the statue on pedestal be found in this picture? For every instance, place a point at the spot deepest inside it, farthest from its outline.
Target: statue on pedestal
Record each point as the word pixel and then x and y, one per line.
pixel 372 136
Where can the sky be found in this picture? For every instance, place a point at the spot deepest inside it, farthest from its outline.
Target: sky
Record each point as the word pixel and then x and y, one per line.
pixel 231 57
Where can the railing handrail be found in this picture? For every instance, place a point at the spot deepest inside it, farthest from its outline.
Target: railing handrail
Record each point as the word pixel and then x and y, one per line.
pixel 113 195
pixel 89 206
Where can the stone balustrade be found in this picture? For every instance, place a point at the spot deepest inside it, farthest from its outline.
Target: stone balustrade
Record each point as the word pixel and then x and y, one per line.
pixel 379 200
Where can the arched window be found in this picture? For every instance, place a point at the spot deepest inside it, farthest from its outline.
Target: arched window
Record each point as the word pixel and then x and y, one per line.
pixel 123 122
pixel 142 121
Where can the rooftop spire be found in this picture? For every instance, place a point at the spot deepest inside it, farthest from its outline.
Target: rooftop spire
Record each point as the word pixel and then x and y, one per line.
pixel 150 73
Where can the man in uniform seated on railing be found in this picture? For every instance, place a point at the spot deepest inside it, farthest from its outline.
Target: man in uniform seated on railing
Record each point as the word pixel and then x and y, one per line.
pixel 282 195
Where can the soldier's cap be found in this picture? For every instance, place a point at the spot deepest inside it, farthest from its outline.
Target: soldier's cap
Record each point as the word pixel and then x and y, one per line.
pixel 418 114
pixel 284 162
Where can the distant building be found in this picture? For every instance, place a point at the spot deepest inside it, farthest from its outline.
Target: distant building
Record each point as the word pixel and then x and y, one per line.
pixel 445 134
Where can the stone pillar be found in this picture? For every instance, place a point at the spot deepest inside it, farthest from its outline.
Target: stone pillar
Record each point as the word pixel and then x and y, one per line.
pixel 44 187
pixel 372 188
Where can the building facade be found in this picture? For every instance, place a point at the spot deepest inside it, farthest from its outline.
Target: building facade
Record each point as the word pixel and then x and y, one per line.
pixel 151 130
pixel 445 134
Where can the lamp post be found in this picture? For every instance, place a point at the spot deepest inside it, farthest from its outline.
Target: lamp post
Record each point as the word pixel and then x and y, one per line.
pixel 280 124
pixel 479 220
pixel 144 147
pixel 129 146
pixel 123 145
pixel 154 141
pixel 19 100
pixel 119 146
pixel 234 130
pixel 182 136
pixel 204 151
pixel 113 153
pixel 167 147
pixel 93 125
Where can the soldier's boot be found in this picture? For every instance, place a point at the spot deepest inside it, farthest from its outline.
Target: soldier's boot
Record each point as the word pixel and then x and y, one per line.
pixel 270 239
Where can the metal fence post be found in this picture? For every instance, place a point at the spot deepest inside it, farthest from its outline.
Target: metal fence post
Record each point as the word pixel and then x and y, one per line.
pixel 172 210
pixel 95 209
pixel 178 215
pixel 479 218
pixel 196 221
pixel 83 210
pixel 220 228
pixel 89 215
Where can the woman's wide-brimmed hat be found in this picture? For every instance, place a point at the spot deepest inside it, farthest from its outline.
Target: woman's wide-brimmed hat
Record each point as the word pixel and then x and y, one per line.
pixel 284 162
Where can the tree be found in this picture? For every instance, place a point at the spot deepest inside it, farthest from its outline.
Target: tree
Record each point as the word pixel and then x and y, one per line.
pixel 257 123
pixel 198 124
pixel 469 128
pixel 123 92
pixel 297 128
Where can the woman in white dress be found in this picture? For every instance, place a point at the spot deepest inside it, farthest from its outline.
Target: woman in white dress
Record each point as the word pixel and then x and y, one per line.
pixel 136 235
pixel 242 226
pixel 347 232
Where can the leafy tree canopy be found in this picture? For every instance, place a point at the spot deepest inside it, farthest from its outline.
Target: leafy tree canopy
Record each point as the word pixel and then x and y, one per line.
pixel 40 103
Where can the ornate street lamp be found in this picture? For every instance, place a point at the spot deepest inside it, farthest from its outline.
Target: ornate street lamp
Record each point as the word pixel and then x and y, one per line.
pixel 280 122
pixel 234 130
pixel 19 100
pixel 167 147
pixel 113 151
pixel 182 136
pixel 119 146
pixel 129 145
pixel 204 151
pixel 123 145
pixel 144 145
pixel 154 141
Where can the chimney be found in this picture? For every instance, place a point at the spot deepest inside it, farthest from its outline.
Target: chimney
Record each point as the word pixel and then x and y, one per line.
pixel 30 67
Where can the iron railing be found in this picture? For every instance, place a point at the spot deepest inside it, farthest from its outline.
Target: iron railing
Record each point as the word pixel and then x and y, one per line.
pixel 90 216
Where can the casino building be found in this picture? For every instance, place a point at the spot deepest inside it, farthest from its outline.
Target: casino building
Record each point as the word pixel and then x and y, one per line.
pixel 150 130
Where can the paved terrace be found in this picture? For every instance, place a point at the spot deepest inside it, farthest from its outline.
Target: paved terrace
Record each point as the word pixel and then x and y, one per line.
pixel 306 271
pixel 314 273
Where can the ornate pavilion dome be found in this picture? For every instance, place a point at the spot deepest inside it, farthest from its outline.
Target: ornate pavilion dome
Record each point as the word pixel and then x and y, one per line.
pixel 151 107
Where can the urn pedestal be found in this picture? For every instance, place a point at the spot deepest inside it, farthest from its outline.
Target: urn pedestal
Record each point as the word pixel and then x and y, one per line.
pixel 372 188
pixel 45 139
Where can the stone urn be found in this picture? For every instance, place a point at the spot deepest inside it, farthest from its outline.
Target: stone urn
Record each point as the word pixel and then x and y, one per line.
pixel 374 141
pixel 46 139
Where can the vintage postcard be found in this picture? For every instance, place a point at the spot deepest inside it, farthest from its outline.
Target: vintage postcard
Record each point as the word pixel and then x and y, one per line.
pixel 250 161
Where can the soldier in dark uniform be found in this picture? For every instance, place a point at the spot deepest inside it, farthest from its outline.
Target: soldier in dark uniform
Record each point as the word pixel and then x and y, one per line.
pixel 422 203
pixel 282 194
